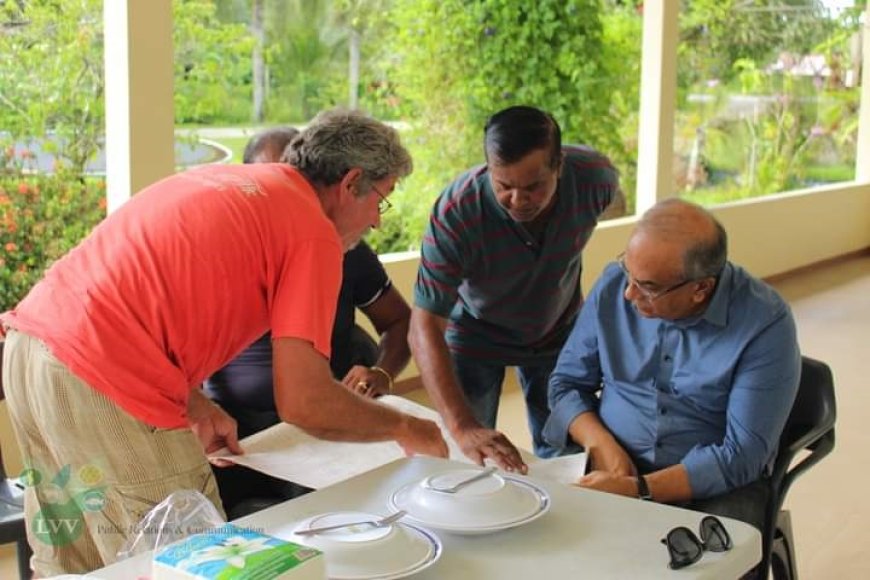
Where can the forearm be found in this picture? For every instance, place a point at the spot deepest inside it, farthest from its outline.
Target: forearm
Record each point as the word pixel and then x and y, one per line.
pixel 307 396
pixel 433 360
pixel 198 405
pixel 588 431
pixel 393 350
pixel 337 414
pixel 391 318
pixel 670 485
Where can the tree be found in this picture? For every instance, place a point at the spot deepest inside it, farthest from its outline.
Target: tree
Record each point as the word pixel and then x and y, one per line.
pixel 212 65
pixel 258 62
pixel 305 56
pixel 358 18
pixel 455 62
pixel 51 76
pixel 716 33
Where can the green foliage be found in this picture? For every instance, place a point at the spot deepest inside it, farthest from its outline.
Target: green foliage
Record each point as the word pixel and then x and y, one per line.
pixel 212 65
pixel 716 33
pixel 766 131
pixel 41 218
pixel 461 61
pixel 51 75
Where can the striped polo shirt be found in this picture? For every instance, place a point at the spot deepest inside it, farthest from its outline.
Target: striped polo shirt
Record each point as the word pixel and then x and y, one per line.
pixel 509 299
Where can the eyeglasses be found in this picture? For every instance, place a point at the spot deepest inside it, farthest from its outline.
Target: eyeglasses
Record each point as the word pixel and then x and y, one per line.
pixel 384 204
pixel 650 295
pixel 685 548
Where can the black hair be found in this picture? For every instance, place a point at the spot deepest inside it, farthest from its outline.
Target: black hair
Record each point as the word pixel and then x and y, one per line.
pixel 513 133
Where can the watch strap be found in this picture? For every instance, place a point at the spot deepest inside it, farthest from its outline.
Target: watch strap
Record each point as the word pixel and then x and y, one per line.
pixel 643 489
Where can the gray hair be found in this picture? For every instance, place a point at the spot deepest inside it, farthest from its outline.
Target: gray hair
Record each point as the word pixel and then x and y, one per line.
pixel 339 140
pixel 707 257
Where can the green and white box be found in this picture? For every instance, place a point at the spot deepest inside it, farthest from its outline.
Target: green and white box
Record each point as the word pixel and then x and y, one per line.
pixel 234 553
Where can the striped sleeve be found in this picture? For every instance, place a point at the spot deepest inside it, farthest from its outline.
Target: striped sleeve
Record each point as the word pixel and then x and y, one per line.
pixel 599 176
pixel 440 272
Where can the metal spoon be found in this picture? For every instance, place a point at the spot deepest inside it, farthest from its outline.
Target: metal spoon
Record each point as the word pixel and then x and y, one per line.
pixel 381 523
pixel 457 486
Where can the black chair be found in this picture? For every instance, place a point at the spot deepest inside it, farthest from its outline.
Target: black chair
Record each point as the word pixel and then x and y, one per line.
pixel 12 522
pixel 809 430
pixel 12 510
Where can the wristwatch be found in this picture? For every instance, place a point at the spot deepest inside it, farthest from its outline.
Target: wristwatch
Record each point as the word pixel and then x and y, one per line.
pixel 643 489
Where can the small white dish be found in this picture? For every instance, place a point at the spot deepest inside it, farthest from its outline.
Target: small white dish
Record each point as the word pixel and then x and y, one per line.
pixel 365 552
pixel 491 504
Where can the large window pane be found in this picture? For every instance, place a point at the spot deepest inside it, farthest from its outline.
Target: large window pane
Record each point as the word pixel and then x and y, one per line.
pixel 435 68
pixel 769 94
pixel 51 126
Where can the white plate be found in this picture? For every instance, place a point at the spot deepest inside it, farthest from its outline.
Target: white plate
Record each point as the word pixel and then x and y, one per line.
pixel 366 553
pixel 496 503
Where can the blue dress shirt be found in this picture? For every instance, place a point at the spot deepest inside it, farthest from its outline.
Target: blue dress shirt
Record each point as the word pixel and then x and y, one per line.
pixel 711 392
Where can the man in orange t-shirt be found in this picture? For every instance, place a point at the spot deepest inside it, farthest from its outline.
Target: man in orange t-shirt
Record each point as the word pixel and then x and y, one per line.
pixel 105 355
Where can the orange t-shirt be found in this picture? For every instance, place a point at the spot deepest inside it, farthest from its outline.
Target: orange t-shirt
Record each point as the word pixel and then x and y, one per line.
pixel 179 280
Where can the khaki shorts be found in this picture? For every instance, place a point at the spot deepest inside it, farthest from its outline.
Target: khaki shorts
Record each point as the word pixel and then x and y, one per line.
pixel 92 471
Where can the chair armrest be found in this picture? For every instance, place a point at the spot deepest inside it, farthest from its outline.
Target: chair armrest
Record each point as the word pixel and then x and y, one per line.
pixel 818 449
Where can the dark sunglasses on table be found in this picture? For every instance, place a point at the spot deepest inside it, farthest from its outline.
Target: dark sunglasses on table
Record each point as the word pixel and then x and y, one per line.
pixel 685 548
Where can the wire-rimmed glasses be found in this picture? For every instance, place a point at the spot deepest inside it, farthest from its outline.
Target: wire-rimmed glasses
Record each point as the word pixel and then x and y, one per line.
pixel 384 204
pixel 650 295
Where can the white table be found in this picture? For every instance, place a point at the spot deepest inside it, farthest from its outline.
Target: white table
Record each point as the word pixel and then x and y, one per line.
pixel 586 534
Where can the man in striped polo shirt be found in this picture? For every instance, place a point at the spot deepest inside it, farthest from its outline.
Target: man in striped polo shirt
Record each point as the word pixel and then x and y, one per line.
pixel 499 277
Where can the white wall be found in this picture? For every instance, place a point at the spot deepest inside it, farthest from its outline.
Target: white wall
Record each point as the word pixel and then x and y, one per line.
pixel 767 236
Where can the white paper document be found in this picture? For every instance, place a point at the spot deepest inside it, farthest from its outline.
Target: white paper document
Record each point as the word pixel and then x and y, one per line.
pixel 287 452
pixel 567 469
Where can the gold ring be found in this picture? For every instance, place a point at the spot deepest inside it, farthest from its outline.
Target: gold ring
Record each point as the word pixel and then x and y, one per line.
pixel 363 384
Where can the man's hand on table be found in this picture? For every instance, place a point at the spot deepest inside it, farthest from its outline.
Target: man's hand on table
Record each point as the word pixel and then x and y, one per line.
pixel 479 443
pixel 611 483
pixel 213 426
pixel 421 436
pixel 365 381
pixel 610 458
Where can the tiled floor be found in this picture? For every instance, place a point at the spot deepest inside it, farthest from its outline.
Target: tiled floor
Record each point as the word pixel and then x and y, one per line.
pixel 829 505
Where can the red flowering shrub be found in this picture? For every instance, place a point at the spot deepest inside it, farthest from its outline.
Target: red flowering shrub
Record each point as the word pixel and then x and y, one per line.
pixel 41 218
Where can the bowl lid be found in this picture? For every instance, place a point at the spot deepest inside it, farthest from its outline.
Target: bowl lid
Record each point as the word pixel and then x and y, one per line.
pixel 495 503
pixel 364 552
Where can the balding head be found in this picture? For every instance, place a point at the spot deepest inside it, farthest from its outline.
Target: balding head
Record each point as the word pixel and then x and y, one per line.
pixel 268 145
pixel 702 238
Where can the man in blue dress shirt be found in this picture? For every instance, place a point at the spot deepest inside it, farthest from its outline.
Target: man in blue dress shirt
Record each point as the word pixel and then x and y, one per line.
pixel 697 364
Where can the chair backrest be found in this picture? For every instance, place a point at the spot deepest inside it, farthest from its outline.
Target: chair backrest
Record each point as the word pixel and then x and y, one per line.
pixel 814 411
pixel 810 426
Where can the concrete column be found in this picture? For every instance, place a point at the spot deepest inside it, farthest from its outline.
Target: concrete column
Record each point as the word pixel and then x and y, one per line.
pixel 140 120
pixel 862 159
pixel 658 99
